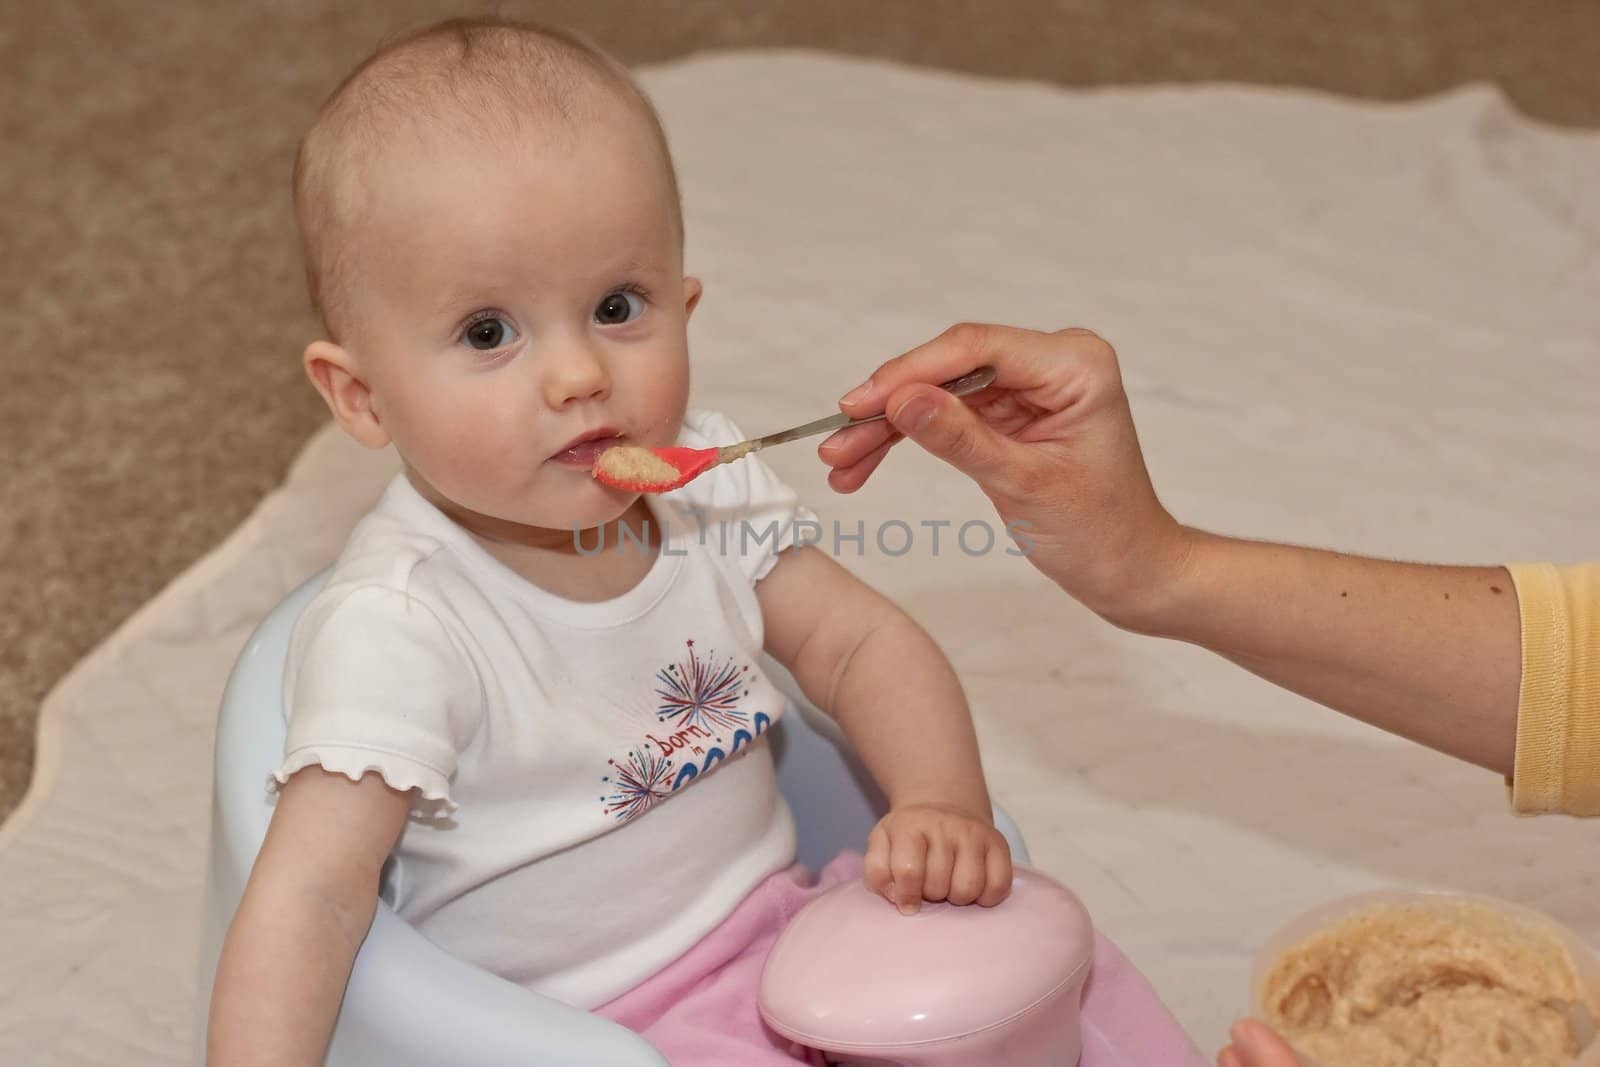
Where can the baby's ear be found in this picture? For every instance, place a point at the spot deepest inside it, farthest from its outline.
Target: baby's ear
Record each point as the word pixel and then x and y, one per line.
pixel 334 372
pixel 691 295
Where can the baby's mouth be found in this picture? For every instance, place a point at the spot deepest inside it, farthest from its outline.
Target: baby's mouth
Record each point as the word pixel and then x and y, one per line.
pixel 583 453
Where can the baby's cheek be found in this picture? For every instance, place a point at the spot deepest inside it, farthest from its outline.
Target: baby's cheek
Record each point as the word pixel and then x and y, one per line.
pixel 463 453
pixel 482 454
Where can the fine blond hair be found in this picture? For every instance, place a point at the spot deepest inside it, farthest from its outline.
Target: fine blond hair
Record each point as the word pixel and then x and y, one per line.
pixel 494 75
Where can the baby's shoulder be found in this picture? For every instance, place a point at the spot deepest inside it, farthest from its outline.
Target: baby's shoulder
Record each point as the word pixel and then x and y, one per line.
pixel 389 576
pixel 386 551
pixel 706 427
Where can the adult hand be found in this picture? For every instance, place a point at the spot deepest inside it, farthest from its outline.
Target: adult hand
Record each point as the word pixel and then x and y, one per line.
pixel 1051 443
pixel 1256 1045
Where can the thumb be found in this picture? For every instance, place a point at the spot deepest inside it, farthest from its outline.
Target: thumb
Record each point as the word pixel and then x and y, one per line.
pixel 952 431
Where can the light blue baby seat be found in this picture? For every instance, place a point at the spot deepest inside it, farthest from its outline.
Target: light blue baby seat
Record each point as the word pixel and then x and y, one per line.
pixel 411 1004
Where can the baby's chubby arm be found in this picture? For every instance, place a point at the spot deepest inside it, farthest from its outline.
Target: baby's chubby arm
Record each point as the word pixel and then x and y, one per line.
pixel 881 677
pixel 307 908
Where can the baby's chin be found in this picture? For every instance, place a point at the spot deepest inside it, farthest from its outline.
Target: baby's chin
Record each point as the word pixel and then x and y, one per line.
pixel 550 511
pixel 588 518
pixel 583 506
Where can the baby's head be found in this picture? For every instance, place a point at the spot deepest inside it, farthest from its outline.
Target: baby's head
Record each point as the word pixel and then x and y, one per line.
pixel 494 241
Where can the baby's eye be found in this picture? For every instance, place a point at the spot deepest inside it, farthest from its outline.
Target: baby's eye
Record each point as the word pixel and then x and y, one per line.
pixel 487 334
pixel 618 307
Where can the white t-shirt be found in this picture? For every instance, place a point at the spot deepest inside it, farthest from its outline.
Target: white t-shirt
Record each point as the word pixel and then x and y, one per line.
pixel 550 742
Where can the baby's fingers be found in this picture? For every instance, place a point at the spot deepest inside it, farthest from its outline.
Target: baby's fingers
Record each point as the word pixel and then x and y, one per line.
pixel 875 866
pixel 938 868
pixel 998 872
pixel 968 878
pixel 908 857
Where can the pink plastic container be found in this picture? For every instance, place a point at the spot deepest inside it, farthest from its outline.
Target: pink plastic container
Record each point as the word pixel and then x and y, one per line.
pixel 1584 957
pixel 947 987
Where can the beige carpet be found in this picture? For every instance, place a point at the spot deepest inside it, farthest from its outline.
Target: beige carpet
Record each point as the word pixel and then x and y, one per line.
pixel 1372 326
pixel 152 307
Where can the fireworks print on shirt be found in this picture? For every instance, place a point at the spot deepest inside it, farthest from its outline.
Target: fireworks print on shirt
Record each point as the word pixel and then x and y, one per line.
pixel 637 784
pixel 697 702
pixel 699 691
pixel 741 737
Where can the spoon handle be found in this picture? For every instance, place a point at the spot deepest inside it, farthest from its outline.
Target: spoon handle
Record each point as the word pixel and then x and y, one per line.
pixel 962 386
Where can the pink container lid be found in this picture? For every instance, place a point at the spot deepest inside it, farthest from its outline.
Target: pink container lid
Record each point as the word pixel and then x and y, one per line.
pixel 851 973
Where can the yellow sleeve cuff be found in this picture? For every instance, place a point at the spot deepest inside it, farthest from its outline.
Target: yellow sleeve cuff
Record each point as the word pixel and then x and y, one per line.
pixel 1558 711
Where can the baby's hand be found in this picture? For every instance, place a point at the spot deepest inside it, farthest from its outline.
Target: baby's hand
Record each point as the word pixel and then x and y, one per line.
pixel 937 852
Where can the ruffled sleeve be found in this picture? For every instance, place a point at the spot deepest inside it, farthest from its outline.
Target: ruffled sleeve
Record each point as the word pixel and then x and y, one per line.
pixel 376 682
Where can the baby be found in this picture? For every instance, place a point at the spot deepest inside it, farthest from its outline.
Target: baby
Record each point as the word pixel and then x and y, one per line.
pixel 539 697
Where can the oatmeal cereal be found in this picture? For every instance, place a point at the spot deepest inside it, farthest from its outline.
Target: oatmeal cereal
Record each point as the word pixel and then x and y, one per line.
pixel 1446 984
pixel 635 466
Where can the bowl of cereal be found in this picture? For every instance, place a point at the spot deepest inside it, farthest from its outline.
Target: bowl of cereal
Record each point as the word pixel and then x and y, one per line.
pixel 1425 979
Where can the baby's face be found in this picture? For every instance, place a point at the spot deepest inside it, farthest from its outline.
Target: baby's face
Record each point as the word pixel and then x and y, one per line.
pixel 513 296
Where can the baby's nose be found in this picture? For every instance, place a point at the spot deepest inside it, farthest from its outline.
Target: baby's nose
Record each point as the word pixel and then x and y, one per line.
pixel 577 372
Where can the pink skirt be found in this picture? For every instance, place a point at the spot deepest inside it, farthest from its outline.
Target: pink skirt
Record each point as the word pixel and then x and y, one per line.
pixel 700 1010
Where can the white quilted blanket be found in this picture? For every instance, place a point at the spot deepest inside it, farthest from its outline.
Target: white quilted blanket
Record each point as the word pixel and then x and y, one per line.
pixel 1375 327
